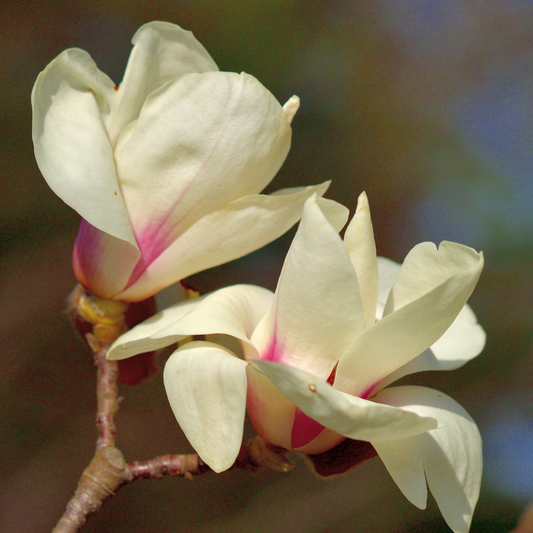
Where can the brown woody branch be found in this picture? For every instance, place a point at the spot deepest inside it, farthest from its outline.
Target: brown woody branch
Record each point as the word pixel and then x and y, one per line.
pixel 100 322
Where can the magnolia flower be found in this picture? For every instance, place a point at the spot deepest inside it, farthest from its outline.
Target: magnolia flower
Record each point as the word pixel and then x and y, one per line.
pixel 166 168
pixel 318 354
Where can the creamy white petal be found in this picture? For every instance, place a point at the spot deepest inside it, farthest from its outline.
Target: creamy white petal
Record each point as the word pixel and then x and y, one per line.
pixel 359 240
pixel 335 213
pixel 233 311
pixel 426 267
pixel 238 228
pixel 72 101
pixel 206 388
pixel 449 457
pixel 415 324
pixel 161 52
pixel 317 311
pixel 140 339
pixel 464 340
pixel 388 271
pixel 201 141
pixel 348 415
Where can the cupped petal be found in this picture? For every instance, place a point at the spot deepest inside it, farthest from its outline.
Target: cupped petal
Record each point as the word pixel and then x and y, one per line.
pixel 415 323
pixel 142 338
pixel 236 229
pixel 317 311
pixel 72 103
pixel 449 457
pixel 343 413
pixel 359 240
pixel 464 340
pixel 161 52
pixel 206 388
pixel 201 141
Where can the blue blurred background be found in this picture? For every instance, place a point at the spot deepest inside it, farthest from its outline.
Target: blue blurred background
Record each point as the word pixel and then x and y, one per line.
pixel 426 105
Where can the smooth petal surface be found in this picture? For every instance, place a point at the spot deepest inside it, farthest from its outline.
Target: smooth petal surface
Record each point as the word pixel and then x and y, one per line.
pixel 162 51
pixel 388 271
pixel 449 457
pixel 206 388
pixel 140 339
pixel 464 340
pixel 270 412
pixel 72 102
pixel 426 267
pixel 419 319
pixel 317 310
pixel 102 263
pixel 201 141
pixel 238 228
pixel 359 240
pixel 347 415
pixel 233 311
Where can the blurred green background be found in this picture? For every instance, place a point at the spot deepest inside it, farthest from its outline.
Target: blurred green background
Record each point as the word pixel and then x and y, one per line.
pixel 425 104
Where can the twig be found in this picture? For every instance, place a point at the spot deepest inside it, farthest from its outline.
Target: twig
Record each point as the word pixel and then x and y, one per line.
pixel 100 322
pixel 107 398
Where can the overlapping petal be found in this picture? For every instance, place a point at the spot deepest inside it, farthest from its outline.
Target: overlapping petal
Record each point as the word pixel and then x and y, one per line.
pixel 161 52
pixel 317 311
pixel 72 148
pixel 228 233
pixel 206 388
pixel 142 338
pixel 359 240
pixel 464 340
pixel 449 457
pixel 233 311
pixel 144 162
pixel 413 319
pixel 348 415
pixel 201 141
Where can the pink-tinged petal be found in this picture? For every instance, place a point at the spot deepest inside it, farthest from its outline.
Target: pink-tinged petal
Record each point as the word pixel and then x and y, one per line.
pixel 72 101
pixel 343 413
pixel 317 311
pixel 142 338
pixel 161 52
pixel 206 388
pixel 102 263
pixel 200 141
pixel 236 229
pixel 417 323
pixel 449 457
pixel 464 340
pixel 270 412
pixel 359 240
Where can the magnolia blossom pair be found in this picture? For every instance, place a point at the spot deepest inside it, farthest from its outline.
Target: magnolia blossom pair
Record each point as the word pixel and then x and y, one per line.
pixel 166 168
pixel 318 354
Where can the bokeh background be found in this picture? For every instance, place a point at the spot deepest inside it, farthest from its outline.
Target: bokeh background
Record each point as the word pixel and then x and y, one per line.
pixel 425 104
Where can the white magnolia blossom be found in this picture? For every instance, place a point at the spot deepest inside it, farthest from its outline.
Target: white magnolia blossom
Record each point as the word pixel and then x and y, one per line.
pixel 166 168
pixel 319 352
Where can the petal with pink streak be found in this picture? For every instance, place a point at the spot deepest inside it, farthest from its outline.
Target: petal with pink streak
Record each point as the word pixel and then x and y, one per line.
pixel 236 229
pixel 201 141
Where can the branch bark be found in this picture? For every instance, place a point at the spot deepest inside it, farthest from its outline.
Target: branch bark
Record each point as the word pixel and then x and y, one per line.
pixel 100 322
